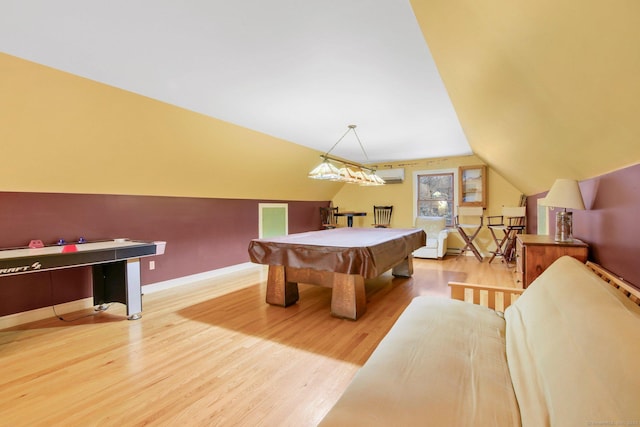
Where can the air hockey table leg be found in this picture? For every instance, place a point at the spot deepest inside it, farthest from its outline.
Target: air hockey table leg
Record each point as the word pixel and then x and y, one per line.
pixel 134 289
pixel 119 282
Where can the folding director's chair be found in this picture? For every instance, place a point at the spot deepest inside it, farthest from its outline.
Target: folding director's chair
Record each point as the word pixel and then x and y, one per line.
pixel 510 223
pixel 468 222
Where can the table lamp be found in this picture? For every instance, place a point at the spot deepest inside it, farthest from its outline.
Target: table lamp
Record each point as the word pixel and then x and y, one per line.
pixel 564 193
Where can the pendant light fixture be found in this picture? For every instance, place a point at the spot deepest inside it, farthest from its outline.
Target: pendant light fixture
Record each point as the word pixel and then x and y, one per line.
pixel 334 169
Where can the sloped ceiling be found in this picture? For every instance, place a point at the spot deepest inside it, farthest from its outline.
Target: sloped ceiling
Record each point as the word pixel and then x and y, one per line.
pixel 543 89
pixel 299 70
pixel 538 90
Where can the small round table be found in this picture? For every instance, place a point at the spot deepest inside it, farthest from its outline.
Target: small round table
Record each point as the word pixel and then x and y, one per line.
pixel 350 215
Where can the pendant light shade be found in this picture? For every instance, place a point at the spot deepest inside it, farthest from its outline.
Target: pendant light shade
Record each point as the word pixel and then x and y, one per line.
pixel 343 170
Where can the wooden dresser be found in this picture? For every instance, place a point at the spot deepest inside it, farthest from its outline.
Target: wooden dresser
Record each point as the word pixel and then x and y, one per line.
pixel 534 253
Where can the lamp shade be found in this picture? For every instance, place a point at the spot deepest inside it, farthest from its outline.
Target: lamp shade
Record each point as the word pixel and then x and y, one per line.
pixel 325 170
pixel 564 193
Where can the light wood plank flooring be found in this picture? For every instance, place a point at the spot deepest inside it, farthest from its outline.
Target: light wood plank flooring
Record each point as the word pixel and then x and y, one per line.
pixel 211 353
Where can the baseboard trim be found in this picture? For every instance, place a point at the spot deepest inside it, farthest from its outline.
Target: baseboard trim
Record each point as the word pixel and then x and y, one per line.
pixel 457 251
pixel 180 281
pixel 21 318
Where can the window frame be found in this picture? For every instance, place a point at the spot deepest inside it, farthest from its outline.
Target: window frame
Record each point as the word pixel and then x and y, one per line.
pixel 449 171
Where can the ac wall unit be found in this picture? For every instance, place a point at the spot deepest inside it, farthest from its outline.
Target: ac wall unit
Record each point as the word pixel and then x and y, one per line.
pixel 391 176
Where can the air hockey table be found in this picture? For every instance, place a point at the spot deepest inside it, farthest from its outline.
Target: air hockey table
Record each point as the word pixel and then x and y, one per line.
pixel 339 258
pixel 115 267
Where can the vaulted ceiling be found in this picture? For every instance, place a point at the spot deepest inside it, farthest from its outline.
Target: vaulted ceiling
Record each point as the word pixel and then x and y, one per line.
pixel 298 70
pixel 538 90
pixel 543 89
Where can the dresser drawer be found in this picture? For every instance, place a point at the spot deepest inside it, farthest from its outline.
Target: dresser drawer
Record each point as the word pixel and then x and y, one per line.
pixel 534 253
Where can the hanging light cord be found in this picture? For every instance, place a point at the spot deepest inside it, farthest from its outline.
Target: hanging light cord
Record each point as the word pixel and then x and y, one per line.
pixel 338 141
pixel 360 143
pixel 350 128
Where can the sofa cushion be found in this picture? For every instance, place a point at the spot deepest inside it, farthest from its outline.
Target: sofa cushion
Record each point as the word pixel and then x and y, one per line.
pixel 443 363
pixel 573 343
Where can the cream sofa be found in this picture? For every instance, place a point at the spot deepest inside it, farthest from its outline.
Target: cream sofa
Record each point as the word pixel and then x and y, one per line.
pixel 565 353
pixel 436 230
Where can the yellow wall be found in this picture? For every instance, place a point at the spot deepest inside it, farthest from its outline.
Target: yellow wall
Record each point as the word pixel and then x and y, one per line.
pixel 401 196
pixel 62 133
pixel 543 89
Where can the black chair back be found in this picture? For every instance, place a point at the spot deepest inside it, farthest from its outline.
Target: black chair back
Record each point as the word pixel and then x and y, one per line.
pixel 328 217
pixel 382 216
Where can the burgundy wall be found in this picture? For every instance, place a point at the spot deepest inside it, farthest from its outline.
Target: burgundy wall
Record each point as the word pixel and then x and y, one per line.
pixel 610 223
pixel 201 235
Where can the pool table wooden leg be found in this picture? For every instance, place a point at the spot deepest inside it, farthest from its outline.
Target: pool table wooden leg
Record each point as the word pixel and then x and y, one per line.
pixel 348 297
pixel 404 269
pixel 279 290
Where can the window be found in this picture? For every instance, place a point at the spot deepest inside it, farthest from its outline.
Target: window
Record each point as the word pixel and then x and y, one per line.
pixel 435 195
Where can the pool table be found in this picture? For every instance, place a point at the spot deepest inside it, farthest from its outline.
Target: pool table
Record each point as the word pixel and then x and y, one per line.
pixel 340 258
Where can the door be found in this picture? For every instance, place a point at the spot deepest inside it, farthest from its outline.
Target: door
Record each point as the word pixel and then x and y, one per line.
pixel 274 220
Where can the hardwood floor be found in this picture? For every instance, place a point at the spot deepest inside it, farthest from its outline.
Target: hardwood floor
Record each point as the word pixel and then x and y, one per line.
pixel 211 353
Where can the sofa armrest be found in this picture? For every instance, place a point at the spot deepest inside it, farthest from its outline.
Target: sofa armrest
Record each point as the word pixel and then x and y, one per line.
pixel 495 297
pixel 442 243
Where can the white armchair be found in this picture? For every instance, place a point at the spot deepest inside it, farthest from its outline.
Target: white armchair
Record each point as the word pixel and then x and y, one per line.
pixel 435 227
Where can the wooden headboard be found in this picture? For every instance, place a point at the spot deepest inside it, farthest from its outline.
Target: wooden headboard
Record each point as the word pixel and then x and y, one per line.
pixel 501 297
pixel 632 293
